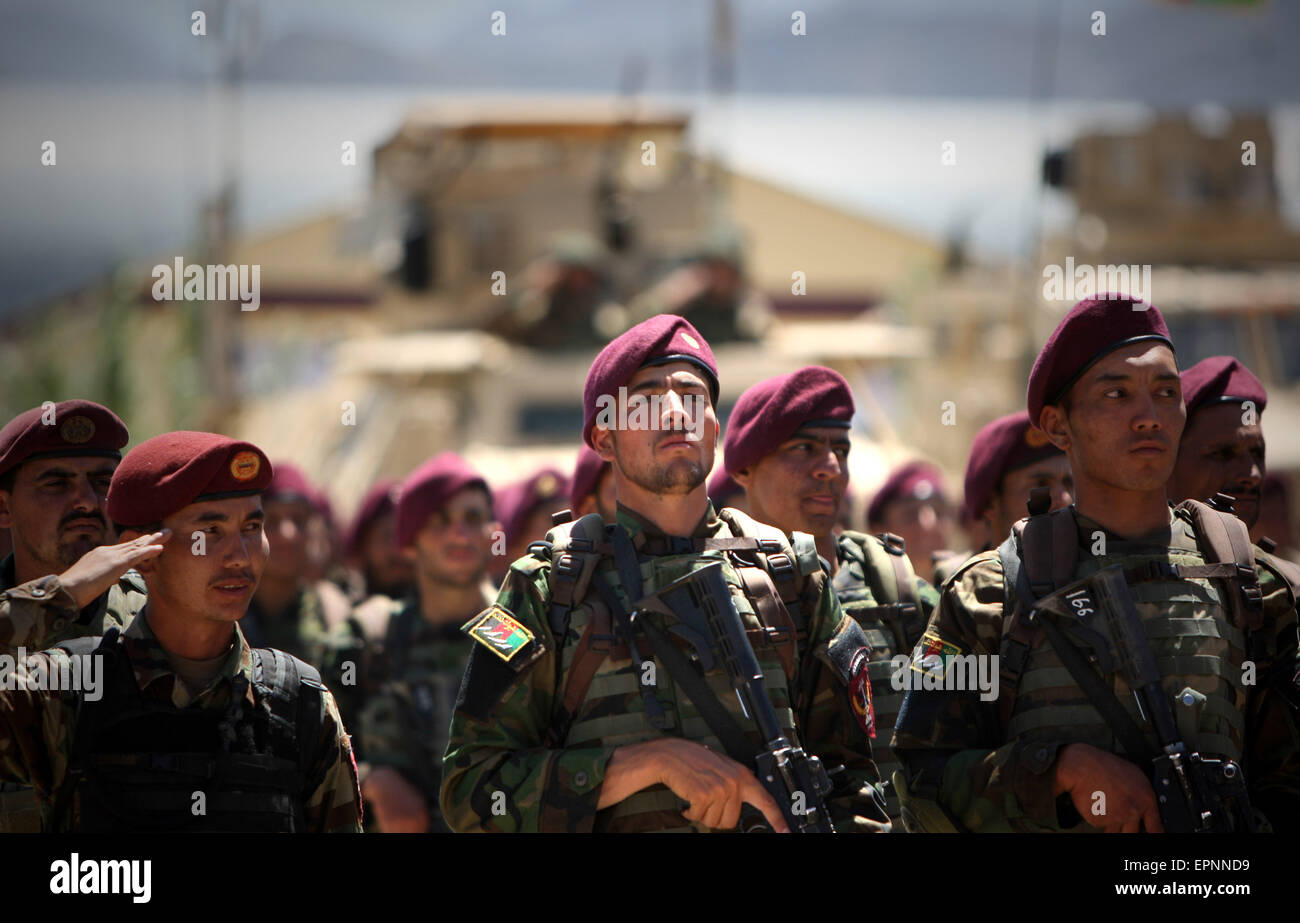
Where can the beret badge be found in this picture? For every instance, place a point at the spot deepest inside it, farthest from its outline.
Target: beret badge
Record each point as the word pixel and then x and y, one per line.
pixel 244 466
pixel 77 429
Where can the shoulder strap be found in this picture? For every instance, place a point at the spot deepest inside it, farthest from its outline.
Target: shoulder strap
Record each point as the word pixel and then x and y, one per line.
pixel 1047 545
pixel 1225 539
pixel 1050 549
pixel 576 549
pixel 293 691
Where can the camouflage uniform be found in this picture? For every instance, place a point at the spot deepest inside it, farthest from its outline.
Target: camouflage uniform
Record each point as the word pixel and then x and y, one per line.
pixel 411 683
pixel 866 585
pixel 38 728
pixel 513 732
pixel 988 776
pixel 39 614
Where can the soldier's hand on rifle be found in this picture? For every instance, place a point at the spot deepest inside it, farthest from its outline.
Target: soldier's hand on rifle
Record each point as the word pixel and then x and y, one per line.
pixel 1129 802
pixel 398 805
pixel 100 568
pixel 715 785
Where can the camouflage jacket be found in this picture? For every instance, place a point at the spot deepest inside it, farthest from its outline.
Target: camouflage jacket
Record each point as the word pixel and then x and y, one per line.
pixel 989 779
pixel 866 585
pixel 409 678
pixel 40 613
pixel 510 767
pixel 38 726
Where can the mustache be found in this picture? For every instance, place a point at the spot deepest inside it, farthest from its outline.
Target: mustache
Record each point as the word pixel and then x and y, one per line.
pixel 242 575
pixel 83 517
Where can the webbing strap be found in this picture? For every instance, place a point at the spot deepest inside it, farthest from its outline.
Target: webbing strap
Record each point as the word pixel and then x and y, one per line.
pixel 715 715
pixel 1101 696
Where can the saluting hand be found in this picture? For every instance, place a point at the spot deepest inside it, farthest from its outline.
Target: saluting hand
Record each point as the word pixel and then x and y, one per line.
pixel 1128 802
pixel 100 568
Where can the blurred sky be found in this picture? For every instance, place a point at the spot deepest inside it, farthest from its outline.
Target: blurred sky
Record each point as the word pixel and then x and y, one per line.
pixel 852 113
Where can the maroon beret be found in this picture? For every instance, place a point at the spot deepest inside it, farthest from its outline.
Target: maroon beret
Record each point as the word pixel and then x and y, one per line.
pixel 167 473
pixel 1093 328
pixel 427 490
pixel 76 428
pixel 662 339
pixel 1221 379
pixel 721 487
pixel 587 473
pixel 379 501
pixel 917 479
pixel 290 484
pixel 545 488
pixel 1004 445
pixel 773 410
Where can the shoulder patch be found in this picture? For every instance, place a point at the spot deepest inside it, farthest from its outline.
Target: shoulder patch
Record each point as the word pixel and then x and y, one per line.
pixel 500 632
pixel 934 655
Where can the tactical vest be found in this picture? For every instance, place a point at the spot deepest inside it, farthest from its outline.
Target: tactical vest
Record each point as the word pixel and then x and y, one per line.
pixel 601 703
pixel 1199 601
pixel 877 587
pixel 136 765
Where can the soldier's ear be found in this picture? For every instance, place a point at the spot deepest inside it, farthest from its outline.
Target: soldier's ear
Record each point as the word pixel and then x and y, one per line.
pixel 602 440
pixel 6 518
pixel 1054 423
pixel 743 477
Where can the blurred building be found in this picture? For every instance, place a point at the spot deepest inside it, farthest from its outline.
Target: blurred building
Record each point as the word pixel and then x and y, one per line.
pixel 1181 197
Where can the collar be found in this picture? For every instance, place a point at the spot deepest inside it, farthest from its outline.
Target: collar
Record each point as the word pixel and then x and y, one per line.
pixel 150 664
pixel 649 539
pixel 1161 535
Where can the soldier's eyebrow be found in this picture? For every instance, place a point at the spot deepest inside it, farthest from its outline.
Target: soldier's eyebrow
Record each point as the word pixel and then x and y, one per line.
pixel 212 516
pixel 56 473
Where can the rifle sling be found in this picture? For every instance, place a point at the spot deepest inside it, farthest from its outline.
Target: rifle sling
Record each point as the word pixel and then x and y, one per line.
pixel 1102 696
pixel 684 674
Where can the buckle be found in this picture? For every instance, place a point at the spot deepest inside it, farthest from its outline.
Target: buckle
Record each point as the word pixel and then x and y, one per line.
pixel 769 546
pixel 781 564
pixel 1250 587
pixel 894 544
pixel 567 566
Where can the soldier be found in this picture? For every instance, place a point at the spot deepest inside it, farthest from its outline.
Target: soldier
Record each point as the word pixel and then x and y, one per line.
pixel 1273 530
pixel 1042 752
pixel 787 445
pixel 1008 459
pixel 417 652
pixel 370 548
pixel 290 612
pixel 591 489
pixel 525 509
pixel 177 723
pixel 1222 449
pixel 65 578
pixel 725 492
pixel 567 723
pixel 913 505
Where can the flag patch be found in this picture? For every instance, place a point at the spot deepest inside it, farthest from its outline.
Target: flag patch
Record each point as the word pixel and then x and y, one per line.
pixel 934 655
pixel 497 630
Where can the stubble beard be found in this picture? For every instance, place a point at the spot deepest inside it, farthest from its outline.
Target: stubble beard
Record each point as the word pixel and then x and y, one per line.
pixel 679 476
